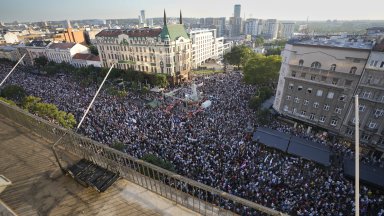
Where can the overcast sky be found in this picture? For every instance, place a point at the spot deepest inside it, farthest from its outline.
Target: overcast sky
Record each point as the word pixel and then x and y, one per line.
pixel 45 10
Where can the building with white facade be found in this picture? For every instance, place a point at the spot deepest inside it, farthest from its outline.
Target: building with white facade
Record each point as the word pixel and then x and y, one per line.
pixel 10 38
pixel 205 45
pixel 251 27
pixel 319 78
pixel 153 50
pixel 270 29
pixel 63 52
pixel 286 30
pixel 85 60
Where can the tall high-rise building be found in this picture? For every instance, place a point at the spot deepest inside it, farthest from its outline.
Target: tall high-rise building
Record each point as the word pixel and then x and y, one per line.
pixel 236 22
pixel 142 14
pixel 271 28
pixel 237 11
pixel 286 30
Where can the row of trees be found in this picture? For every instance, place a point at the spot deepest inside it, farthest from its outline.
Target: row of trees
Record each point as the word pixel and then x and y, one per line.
pixel 16 95
pixel 92 74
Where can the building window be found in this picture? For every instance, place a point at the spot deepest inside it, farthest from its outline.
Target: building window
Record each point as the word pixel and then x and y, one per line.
pixel 311 116
pixel 285 108
pixel 293 74
pixel 369 79
pixel 361 108
pixel 290 86
pixel 380 141
pixel 334 122
pixel 366 94
pixel 379 112
pixel 338 110
pixel 309 90
pixel 372 125
pixel 333 67
pixel 366 137
pixel 382 64
pixel 313 77
pixel 303 75
pixel 299 88
pixel 323 78
pixel 350 131
pixel 326 107
pixel 316 105
pixel 319 93
pixel 306 102
pixel 335 81
pixel 316 65
pixel 297 100
pixel 330 95
pixel 353 70
pixel 322 119
pixel 342 97
pixel 301 62
pixel 303 112
pixel 348 82
pixel 288 97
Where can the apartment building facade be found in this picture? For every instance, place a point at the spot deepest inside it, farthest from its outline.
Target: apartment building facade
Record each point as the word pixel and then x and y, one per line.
pixel 319 79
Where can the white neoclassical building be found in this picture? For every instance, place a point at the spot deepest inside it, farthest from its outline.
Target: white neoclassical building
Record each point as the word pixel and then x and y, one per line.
pixel 152 50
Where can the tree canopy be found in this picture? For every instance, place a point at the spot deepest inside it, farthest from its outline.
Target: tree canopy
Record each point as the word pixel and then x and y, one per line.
pixel 262 70
pixel 13 92
pixel 239 55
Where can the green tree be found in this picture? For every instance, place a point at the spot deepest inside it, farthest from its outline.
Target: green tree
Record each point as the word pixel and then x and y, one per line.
pixel 239 55
pixel 41 61
pixel 262 70
pixel 153 159
pixel 94 50
pixel 8 101
pixel 259 41
pixel 29 102
pixel 14 93
pixel 160 80
pixel 118 145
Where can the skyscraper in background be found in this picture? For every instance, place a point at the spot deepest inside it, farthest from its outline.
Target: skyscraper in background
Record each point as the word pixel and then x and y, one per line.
pixel 236 22
pixel 237 11
pixel 142 14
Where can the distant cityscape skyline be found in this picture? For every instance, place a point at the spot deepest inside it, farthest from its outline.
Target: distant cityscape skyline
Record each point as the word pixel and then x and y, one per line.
pixel 298 10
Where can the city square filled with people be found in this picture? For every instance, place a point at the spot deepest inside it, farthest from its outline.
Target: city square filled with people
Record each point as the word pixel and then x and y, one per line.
pixel 209 145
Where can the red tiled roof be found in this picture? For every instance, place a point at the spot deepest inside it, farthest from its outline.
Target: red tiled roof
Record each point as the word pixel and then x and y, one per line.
pixel 144 32
pixel 109 33
pixel 61 45
pixel 86 56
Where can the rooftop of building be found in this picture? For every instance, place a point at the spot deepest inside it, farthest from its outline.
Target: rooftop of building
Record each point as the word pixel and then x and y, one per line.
pixel 39 188
pixel 375 28
pixel 174 31
pixel 61 45
pixel 38 43
pixel 86 56
pixel 334 42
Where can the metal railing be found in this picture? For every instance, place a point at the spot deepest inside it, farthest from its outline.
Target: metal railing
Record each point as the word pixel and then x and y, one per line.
pixel 186 192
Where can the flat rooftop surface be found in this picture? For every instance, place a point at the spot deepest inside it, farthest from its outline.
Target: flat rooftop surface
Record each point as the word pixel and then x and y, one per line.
pixel 39 188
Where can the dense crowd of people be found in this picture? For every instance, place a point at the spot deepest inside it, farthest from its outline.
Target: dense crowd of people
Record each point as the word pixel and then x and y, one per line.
pixel 211 145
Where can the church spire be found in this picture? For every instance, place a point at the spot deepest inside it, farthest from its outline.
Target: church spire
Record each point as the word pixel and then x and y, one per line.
pixel 181 18
pixel 165 19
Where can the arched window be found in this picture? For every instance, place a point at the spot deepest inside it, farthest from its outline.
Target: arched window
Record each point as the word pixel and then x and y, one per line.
pixel 353 70
pixel 301 62
pixel 333 67
pixel 316 65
